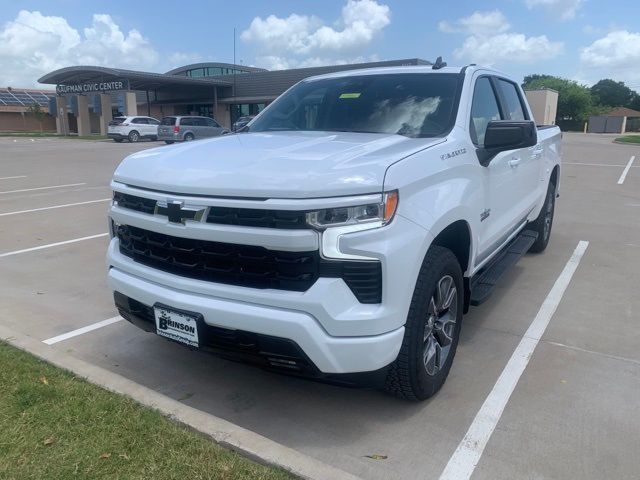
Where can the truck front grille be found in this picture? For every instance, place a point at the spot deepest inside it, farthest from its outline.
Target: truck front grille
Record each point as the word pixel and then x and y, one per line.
pixel 245 217
pixel 246 265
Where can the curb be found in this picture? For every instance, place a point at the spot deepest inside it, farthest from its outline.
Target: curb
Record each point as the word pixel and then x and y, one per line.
pixel 248 443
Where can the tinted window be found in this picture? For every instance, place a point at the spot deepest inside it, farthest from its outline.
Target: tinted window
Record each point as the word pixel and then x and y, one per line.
pixel 168 121
pixel 187 122
pixel 211 122
pixel 414 105
pixel 514 110
pixel 140 121
pixel 483 109
pixel 153 121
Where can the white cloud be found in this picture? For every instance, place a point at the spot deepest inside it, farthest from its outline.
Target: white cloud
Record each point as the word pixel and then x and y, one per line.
pixel 615 55
pixel 489 41
pixel 511 47
pixel 478 23
pixel 301 39
pixel 34 44
pixel 561 9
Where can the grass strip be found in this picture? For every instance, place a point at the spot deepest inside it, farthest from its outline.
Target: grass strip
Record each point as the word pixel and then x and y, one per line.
pixel 633 139
pixel 55 425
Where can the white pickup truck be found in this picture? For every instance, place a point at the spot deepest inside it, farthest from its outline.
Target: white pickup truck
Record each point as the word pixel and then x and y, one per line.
pixel 343 235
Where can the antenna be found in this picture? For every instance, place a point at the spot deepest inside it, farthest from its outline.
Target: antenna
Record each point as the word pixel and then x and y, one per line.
pixel 234 78
pixel 439 64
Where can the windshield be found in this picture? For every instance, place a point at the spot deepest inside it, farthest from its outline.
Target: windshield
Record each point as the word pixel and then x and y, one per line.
pixel 410 104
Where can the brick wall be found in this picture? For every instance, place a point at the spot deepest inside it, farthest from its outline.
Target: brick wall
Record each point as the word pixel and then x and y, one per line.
pixel 22 122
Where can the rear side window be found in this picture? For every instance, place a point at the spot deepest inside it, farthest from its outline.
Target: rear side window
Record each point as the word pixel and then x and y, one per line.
pixel 187 122
pixel 153 121
pixel 117 121
pixel 483 109
pixel 512 100
pixel 140 121
pixel 168 121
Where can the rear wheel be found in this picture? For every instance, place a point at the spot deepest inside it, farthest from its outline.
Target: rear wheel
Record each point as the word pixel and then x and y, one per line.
pixel 432 329
pixel 542 225
pixel 134 136
pixel 188 137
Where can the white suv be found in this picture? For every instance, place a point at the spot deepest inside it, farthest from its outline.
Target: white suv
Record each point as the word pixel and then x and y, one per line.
pixel 133 128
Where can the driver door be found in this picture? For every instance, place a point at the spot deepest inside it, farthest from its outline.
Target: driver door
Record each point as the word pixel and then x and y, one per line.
pixel 500 214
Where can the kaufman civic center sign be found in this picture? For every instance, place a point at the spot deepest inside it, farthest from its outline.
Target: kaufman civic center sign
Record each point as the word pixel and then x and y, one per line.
pixel 93 87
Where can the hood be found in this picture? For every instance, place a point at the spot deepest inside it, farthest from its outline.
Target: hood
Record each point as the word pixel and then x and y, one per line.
pixel 271 165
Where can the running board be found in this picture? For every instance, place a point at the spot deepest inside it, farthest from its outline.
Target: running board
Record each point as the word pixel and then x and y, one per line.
pixel 482 284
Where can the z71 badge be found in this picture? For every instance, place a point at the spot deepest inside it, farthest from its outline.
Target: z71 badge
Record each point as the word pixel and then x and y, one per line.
pixel 455 153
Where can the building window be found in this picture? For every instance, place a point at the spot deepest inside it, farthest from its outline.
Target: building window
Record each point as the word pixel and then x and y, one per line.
pixel 244 109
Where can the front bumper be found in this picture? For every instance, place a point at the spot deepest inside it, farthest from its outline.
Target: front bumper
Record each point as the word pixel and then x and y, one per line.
pixel 327 354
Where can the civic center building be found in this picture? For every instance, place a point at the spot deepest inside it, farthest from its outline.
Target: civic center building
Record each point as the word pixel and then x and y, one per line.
pixel 86 98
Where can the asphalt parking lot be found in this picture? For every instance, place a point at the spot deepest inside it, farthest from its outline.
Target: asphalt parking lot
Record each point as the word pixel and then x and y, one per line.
pixel 575 412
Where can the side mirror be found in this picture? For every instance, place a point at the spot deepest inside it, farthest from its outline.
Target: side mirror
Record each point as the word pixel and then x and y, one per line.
pixel 503 135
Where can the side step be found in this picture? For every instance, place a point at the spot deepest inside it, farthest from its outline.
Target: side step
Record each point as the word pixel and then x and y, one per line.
pixel 482 284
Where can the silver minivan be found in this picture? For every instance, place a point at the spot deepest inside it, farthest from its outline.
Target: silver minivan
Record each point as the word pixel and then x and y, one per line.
pixel 186 128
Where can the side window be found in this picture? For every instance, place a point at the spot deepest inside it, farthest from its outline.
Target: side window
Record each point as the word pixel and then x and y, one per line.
pixel 212 123
pixel 153 121
pixel 186 122
pixel 513 103
pixel 484 108
pixel 138 120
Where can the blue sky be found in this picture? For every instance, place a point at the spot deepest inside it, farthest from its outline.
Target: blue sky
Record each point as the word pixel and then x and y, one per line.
pixel 580 39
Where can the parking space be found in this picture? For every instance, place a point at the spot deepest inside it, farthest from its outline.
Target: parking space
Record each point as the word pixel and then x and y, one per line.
pixel 573 413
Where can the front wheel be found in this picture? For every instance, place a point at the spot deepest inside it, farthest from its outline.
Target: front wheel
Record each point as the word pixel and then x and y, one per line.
pixel 542 225
pixel 432 328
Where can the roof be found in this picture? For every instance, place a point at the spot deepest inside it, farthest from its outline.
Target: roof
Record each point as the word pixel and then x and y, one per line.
pixel 270 84
pixel 137 80
pixel 192 66
pixel 623 112
pixel 25 97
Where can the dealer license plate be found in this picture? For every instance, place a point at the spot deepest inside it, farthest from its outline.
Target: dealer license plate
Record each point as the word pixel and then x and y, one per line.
pixel 177 326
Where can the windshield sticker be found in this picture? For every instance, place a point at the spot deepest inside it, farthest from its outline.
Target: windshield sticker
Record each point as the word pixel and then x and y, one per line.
pixel 350 95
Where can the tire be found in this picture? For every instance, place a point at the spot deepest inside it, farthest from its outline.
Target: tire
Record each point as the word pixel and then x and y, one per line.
pixel 189 137
pixel 542 225
pixel 117 140
pixel 134 136
pixel 425 359
pixel 168 142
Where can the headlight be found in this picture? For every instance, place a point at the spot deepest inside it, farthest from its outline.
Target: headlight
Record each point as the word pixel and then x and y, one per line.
pixel 382 213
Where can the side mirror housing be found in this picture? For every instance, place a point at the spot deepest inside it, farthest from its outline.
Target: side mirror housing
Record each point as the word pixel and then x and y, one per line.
pixel 504 135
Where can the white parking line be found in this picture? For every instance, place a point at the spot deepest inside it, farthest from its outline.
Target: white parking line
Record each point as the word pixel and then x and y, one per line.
pixel 625 171
pixel 596 164
pixel 466 457
pixel 42 247
pixel 80 331
pixel 43 188
pixel 10 178
pixel 54 206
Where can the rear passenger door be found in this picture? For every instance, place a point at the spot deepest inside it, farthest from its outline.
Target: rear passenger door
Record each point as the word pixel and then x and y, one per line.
pixel 187 126
pixel 153 126
pixel 527 162
pixel 501 212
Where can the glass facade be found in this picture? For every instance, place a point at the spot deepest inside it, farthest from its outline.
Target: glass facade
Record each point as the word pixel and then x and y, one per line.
pixel 243 109
pixel 212 71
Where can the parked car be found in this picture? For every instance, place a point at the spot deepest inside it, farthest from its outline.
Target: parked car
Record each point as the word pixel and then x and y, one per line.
pixel 346 233
pixel 133 128
pixel 186 128
pixel 242 122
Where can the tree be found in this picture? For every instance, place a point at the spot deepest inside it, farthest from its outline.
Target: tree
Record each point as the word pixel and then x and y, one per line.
pixel 38 113
pixel 613 94
pixel 575 101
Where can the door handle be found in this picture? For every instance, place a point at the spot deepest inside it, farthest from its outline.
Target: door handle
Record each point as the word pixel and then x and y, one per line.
pixel 514 162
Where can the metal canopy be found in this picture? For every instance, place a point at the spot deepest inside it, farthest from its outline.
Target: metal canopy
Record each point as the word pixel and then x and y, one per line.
pixel 137 80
